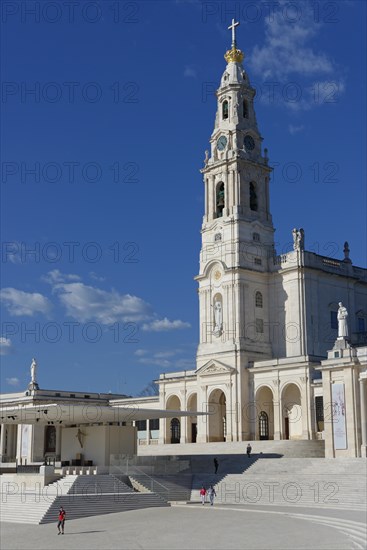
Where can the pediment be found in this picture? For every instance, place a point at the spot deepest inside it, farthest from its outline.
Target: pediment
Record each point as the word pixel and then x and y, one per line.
pixel 214 367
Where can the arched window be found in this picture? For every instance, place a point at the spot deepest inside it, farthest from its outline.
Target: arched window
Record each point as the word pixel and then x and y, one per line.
pixel 175 430
pixel 253 196
pixel 220 199
pixel 225 110
pixel 245 109
pixel 263 425
pixel 256 237
pixel 258 299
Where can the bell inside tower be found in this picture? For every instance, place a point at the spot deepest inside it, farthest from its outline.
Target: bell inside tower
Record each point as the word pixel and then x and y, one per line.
pixel 220 199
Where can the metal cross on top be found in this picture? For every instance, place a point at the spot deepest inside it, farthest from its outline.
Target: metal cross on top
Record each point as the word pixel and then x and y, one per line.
pixel 233 27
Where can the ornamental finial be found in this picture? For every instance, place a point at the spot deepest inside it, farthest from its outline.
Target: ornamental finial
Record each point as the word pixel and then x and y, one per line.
pixel 234 55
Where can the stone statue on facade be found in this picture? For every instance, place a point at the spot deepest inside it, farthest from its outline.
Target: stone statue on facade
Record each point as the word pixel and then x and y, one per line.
pixel 343 332
pixel 298 239
pixel 206 160
pixel 346 251
pixel 33 371
pixel 218 318
pixel 33 383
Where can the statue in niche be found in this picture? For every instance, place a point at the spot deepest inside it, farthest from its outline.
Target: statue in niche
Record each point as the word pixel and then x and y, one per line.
pixel 218 318
pixel 342 322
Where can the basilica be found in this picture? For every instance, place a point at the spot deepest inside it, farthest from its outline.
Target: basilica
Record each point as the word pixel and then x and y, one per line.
pixel 282 350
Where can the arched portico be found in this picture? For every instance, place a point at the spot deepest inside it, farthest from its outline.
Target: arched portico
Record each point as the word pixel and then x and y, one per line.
pixel 192 405
pixel 173 426
pixel 291 412
pixel 217 416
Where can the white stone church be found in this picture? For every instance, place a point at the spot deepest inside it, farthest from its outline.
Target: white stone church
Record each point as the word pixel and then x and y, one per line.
pixel 282 349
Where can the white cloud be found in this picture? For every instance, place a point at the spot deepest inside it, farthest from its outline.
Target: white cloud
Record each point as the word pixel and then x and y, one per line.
pixel 140 352
pixel 284 52
pixel 55 276
pixel 5 345
pixel 24 303
pixel 288 62
pixel 167 359
pixel 87 303
pixel 160 325
pixel 190 72
pixel 12 381
pixel 295 129
pixel 96 277
pixel 151 360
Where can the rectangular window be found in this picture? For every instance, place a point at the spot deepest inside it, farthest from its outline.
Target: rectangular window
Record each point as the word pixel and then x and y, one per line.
pixel 141 425
pixel 154 424
pixel 258 261
pixel 259 325
pixel 361 324
pixel 333 319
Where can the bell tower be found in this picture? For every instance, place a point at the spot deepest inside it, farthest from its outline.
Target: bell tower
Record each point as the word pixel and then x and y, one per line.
pixel 237 235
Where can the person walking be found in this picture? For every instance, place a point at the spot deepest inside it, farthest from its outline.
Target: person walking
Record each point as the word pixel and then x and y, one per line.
pixel 215 465
pixel 248 450
pixel 212 494
pixel 202 494
pixel 61 521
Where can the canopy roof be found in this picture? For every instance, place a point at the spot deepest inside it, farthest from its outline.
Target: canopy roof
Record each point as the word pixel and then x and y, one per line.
pixel 90 413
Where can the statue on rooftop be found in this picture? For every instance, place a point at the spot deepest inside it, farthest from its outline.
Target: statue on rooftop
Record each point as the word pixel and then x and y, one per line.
pixel 33 371
pixel 298 239
pixel 342 322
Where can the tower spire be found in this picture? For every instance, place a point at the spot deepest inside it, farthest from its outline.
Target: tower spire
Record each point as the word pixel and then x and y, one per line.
pixel 234 55
pixel 233 27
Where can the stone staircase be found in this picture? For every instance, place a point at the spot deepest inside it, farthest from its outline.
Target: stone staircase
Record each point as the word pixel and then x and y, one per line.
pixel 171 488
pixel 81 496
pixel 322 483
pixel 30 505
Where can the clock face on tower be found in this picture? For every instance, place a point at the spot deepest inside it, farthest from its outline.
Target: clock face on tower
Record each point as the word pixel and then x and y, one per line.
pixel 249 143
pixel 221 143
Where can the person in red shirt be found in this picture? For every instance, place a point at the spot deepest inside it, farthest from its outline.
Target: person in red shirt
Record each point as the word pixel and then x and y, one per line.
pixel 202 494
pixel 61 522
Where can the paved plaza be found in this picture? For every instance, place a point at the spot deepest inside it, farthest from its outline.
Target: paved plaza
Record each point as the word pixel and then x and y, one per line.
pixel 195 526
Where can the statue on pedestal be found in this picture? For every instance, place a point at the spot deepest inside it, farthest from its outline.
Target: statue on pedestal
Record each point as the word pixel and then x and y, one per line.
pixel 33 383
pixel 33 371
pixel 298 239
pixel 346 251
pixel 343 332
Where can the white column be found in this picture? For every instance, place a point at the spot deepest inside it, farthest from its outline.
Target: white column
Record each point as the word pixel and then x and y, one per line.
pixel 147 434
pixel 183 419
pixel 277 413
pixel 2 442
pixel 362 393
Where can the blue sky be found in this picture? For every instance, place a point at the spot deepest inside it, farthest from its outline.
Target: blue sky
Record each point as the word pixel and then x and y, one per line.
pixel 115 131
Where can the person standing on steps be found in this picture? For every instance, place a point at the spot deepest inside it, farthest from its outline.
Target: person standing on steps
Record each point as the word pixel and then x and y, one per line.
pixel 248 450
pixel 202 494
pixel 212 494
pixel 215 465
pixel 61 521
